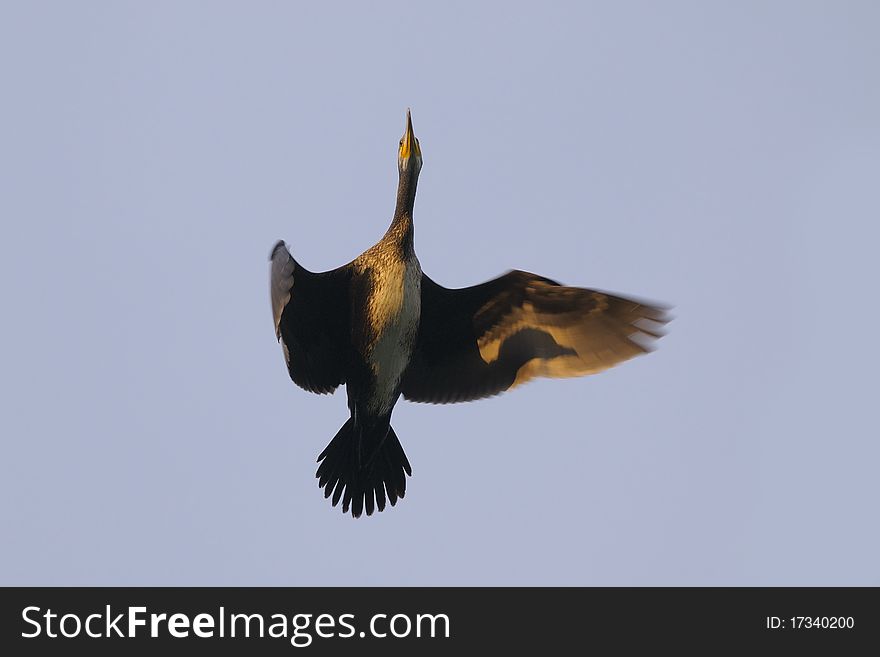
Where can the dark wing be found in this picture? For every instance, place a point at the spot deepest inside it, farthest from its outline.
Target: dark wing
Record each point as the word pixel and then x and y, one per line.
pixel 482 340
pixel 311 313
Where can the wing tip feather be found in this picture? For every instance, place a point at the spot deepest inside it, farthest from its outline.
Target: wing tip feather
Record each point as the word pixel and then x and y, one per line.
pixel 278 245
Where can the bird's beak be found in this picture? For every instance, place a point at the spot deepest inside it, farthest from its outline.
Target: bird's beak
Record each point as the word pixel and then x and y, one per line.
pixel 409 146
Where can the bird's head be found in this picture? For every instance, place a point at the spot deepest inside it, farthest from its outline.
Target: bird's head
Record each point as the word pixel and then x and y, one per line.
pixel 409 156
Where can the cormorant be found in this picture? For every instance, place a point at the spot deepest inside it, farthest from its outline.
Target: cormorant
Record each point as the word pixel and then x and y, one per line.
pixel 384 329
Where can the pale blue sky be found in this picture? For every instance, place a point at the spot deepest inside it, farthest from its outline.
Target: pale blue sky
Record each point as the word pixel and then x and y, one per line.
pixel 722 157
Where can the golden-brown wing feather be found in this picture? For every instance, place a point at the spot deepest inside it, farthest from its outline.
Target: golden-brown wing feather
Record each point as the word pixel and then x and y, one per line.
pixel 479 341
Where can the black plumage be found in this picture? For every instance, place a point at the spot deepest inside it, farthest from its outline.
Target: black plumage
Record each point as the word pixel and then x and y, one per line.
pixel 383 328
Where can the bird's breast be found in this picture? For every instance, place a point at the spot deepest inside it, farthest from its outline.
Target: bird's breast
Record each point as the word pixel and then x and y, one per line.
pixel 393 309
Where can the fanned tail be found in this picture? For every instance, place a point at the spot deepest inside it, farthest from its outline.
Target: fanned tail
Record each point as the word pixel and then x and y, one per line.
pixel 363 466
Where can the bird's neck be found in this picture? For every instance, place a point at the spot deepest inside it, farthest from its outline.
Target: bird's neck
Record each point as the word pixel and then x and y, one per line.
pixel 401 229
pixel 400 234
pixel 406 192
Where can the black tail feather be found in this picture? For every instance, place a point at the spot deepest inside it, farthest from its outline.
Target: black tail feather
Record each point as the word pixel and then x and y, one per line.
pixel 362 466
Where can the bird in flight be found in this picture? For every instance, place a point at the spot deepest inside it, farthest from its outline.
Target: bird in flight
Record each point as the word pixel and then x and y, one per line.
pixel 385 329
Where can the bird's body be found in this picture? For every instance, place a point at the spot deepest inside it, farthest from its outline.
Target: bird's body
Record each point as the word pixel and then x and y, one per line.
pixel 391 295
pixel 380 326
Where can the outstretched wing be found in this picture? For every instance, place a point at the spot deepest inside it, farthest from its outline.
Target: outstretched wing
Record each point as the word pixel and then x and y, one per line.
pixel 482 340
pixel 311 313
